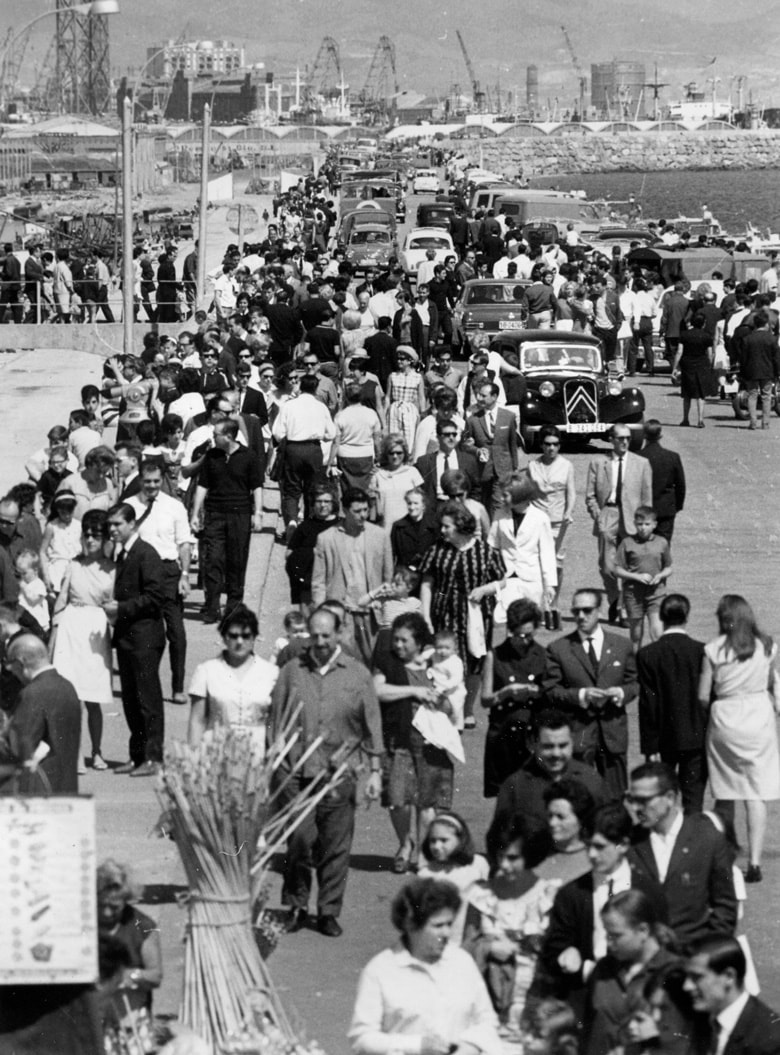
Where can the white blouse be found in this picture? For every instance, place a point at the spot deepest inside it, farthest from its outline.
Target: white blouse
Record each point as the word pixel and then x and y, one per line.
pixel 236 696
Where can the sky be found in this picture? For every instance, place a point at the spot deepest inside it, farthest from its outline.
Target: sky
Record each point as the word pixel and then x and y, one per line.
pixel 681 36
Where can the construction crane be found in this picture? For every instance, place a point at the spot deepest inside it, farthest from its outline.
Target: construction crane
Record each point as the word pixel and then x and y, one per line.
pixel 381 82
pixel 583 80
pixel 655 84
pixel 478 94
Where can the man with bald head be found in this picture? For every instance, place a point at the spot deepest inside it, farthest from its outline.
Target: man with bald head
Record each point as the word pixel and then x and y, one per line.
pixel 48 711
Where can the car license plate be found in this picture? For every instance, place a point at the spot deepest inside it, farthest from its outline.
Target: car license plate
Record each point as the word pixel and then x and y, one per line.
pixel 588 426
pixel 510 324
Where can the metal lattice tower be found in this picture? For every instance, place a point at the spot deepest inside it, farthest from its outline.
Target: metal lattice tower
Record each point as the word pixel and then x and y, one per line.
pixel 382 79
pixel 83 73
pixel 326 73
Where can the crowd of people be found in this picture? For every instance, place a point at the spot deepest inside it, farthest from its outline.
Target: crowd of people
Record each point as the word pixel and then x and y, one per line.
pixel 424 549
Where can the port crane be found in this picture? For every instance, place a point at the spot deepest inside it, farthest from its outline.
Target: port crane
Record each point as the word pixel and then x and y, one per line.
pixel 476 90
pixel 381 81
pixel 582 79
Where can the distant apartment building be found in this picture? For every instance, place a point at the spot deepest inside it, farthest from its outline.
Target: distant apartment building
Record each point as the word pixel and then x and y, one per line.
pixel 194 58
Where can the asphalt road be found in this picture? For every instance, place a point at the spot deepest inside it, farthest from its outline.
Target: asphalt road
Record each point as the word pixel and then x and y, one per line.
pixel 726 541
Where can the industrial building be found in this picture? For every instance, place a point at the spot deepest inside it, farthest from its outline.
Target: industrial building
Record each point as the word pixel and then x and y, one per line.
pixel 196 58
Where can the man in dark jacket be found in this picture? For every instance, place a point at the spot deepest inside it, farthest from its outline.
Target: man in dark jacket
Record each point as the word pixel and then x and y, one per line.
pixel 668 479
pixel 167 286
pixel 671 721
pixel 10 295
pixel 759 366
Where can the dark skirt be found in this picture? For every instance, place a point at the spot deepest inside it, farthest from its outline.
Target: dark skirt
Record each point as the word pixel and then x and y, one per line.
pixel 419 775
pixel 697 380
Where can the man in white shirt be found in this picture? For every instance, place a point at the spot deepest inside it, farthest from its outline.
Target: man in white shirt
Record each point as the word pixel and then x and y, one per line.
pixel 685 853
pixel 425 268
pixel 162 522
pixel 767 283
pixel 305 424
pixel 740 1024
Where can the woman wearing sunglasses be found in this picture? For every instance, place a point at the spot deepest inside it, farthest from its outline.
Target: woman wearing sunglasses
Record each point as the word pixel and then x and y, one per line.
pixel 235 688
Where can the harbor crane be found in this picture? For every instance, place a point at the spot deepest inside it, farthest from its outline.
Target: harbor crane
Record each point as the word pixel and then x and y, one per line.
pixel 583 80
pixel 476 90
pixel 382 80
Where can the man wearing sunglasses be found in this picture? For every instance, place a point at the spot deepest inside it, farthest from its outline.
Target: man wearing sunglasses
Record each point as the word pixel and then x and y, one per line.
pixel 591 675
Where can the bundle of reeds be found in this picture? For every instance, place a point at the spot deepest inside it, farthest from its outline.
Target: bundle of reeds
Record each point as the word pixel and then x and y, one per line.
pixel 221 801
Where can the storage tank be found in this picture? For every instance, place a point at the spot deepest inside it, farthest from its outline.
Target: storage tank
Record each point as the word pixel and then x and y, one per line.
pixel 601 85
pixel 532 89
pixel 629 80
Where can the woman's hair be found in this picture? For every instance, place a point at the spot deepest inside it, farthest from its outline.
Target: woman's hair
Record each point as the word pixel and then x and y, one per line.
pixel 738 623
pixel 117 878
pixel 463 854
pixel 578 797
pixel 392 439
pixel 555 1022
pixel 638 910
pixel 100 457
pixel 520 612
pixel 671 979
pixel 95 520
pixel 419 899
pixel 415 624
pixel 242 617
pixel 464 521
pixel 502 833
pixel 418 491
pixel 522 489
pixel 613 821
pixel 351 320
pixel 353 392
pixel 698 320
pixel 319 490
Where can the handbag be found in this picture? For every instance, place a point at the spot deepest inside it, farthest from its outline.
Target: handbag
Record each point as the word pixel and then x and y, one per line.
pixel 276 466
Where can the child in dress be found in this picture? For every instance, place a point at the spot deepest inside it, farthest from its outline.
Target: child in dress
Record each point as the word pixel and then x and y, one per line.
pixel 446 673
pixel 643 564
pixel 448 853
pixel 507 919
pixel 61 540
pixel 295 628
pixel 32 588
pixel 172 450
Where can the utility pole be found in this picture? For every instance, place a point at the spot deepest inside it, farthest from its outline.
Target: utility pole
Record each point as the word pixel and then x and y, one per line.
pixel 128 311
pixel 204 204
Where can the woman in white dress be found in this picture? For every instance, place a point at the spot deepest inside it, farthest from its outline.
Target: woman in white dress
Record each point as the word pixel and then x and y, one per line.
pixel 81 650
pixel 739 688
pixel 234 688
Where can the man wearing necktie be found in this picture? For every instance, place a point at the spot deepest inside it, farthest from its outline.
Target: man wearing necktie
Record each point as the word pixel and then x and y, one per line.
pixel 139 638
pixel 492 435
pixel 618 483
pixel 591 674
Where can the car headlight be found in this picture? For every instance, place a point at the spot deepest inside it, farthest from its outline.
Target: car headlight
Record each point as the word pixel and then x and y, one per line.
pixel 614 388
pixel 546 389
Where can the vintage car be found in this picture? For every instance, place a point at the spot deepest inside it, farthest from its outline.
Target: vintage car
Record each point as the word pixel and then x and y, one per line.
pixel 489 306
pixel 413 250
pixel 365 216
pixel 370 245
pixel 569 386
pixel 435 214
pixel 426 181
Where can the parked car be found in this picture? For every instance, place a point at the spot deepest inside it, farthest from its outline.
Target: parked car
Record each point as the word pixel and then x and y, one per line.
pixel 426 181
pixel 435 214
pixel 367 215
pixel 418 241
pixel 569 386
pixel 370 245
pixel 489 306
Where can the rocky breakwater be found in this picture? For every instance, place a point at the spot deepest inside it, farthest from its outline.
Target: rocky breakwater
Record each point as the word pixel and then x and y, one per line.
pixel 583 152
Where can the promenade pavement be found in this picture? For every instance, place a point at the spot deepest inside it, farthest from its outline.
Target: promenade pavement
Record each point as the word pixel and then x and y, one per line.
pixel 726 540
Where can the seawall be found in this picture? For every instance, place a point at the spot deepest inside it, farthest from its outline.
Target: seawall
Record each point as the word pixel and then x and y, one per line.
pixel 583 152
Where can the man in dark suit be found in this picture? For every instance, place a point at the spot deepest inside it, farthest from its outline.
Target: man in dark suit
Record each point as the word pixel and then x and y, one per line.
pixel 668 479
pixel 575 937
pixel 432 466
pixel 492 435
pixel 591 675
pixel 524 791
pixel 685 853
pixel 380 348
pixel 128 464
pixel 740 1024
pixel 671 722
pixel 48 711
pixel 139 639
pixel 250 401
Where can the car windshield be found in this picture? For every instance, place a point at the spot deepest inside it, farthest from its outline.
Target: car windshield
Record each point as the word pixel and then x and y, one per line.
pixel 429 241
pixel 360 237
pixel 495 293
pixel 549 356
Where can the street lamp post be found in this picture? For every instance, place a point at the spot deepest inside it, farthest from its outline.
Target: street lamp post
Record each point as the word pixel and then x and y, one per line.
pixel 128 311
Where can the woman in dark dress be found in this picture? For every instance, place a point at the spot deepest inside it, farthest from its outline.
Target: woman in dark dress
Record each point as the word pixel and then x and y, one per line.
pixel 461 575
pixel 693 365
pixel 511 688
pixel 417 775
pixel 299 556
pixel 413 534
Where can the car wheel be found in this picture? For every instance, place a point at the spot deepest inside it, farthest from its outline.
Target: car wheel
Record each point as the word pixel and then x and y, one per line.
pixel 739 405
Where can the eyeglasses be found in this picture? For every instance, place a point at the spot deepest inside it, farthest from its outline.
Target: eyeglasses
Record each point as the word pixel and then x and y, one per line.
pixel 238 635
pixel 449 435
pixel 209 355
pixel 311 365
pixel 583 609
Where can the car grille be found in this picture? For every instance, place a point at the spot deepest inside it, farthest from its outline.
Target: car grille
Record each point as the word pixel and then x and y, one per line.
pixel 580 401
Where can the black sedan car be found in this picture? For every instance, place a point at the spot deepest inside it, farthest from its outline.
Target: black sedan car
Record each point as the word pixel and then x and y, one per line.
pixel 568 385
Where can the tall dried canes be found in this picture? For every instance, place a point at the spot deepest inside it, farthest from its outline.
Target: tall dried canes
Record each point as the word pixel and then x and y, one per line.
pixel 221 804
